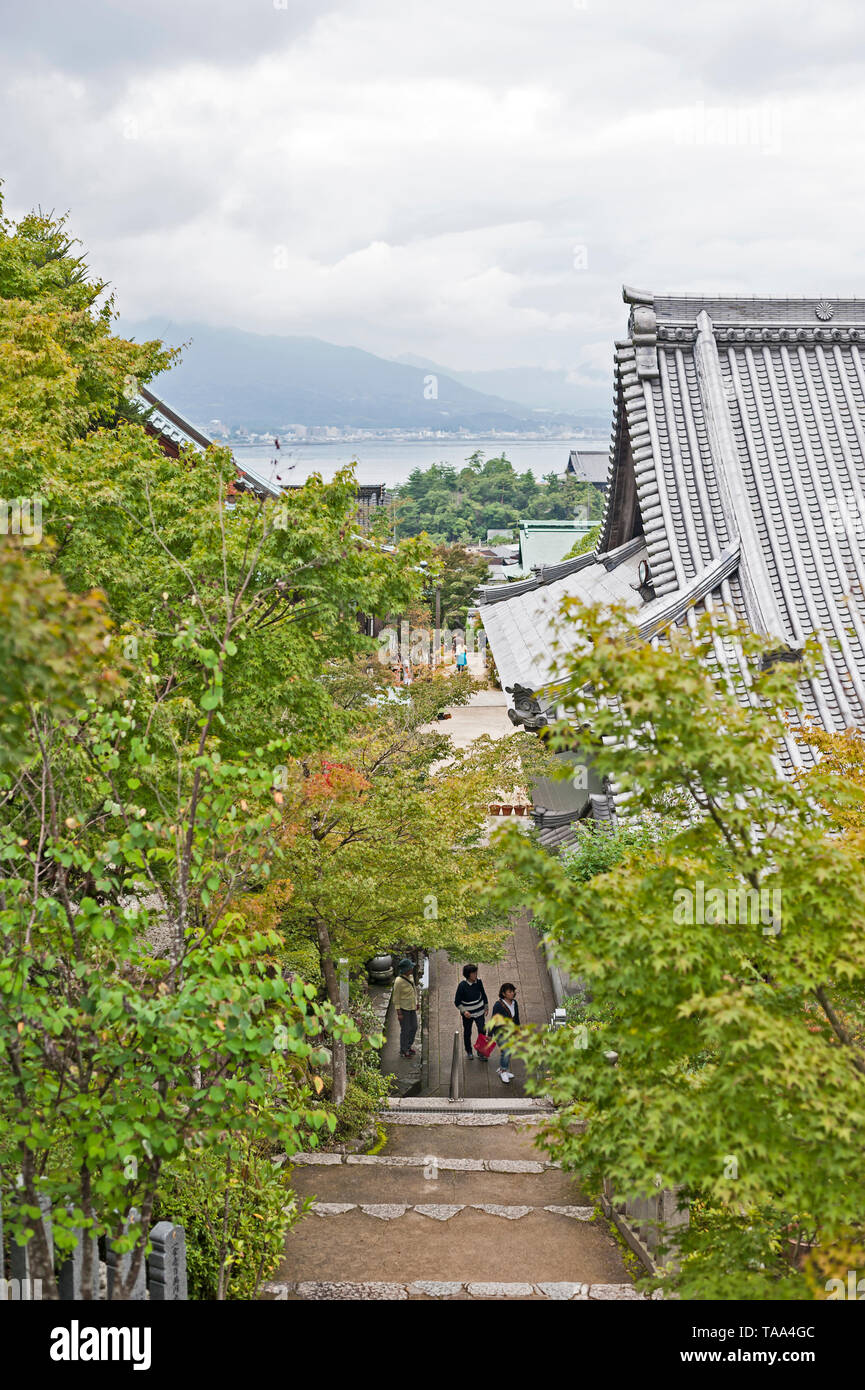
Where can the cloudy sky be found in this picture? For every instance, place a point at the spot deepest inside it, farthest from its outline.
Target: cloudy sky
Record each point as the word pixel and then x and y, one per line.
pixel 468 180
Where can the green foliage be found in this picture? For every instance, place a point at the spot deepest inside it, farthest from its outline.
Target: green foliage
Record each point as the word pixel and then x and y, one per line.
pixel 235 1214
pixel 370 832
pixel 50 641
pixel 164 539
pixel 584 544
pixel 139 1015
pixel 62 372
pixel 143 1017
pixel 457 575
pixel 741 1075
pixel 600 846
pixel 464 504
pixel 364 1097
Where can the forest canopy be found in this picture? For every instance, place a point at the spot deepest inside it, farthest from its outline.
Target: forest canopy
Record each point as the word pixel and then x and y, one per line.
pixel 464 504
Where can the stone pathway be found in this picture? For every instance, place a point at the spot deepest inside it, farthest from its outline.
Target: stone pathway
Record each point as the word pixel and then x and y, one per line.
pixel 524 966
pixel 524 963
pixel 434 1215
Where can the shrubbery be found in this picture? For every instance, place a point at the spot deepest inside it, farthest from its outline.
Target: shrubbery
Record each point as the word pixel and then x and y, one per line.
pixel 235 1214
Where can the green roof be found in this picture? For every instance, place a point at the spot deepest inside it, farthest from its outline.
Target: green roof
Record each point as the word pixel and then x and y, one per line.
pixel 548 542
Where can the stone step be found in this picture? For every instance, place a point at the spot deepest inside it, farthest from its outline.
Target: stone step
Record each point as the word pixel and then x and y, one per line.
pixel 453 1291
pixel 516 1140
pixel 421 1179
pixel 444 1211
pixel 472 1245
pixel 472 1119
pixel 477 1165
pixel 507 1105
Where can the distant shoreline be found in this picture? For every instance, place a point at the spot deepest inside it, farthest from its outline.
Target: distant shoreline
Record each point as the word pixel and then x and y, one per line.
pixel 390 461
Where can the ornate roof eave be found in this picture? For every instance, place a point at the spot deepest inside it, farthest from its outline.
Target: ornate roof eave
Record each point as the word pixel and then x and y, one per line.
pixel 167 422
pixel 671 608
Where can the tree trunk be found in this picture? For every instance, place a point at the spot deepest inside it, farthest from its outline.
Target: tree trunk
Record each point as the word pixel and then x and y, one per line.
pixel 222 1281
pixel 41 1263
pixel 87 1270
pixel 331 980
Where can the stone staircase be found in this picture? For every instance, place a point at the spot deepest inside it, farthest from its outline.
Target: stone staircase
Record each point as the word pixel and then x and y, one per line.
pixel 459 1204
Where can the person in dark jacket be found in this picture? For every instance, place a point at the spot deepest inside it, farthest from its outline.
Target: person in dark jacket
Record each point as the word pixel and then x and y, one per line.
pixel 472 1002
pixel 506 1006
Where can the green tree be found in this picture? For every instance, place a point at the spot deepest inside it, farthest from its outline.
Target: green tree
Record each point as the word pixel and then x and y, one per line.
pixel 457 574
pixel 169 540
pixel 726 963
pixel 139 1014
pixel 384 837
pixel 167 641
pixel 484 495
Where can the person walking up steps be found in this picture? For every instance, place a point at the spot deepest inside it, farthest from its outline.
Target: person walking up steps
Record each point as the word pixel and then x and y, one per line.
pixel 405 999
pixel 506 1006
pixel 471 1000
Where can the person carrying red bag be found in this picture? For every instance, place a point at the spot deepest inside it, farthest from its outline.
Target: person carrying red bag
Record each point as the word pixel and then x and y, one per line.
pixel 472 1002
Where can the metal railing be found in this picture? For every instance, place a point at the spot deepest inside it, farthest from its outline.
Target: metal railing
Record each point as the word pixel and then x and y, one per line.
pixel 457 1086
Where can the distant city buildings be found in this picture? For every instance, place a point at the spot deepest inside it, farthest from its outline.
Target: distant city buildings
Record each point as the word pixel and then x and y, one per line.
pixel 324 434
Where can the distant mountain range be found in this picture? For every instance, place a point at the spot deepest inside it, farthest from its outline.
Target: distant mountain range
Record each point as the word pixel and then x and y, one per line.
pixel 536 388
pixel 266 382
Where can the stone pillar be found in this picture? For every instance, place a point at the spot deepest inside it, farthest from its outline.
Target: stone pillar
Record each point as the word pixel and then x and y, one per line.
pixel 166 1265
pixel 70 1287
pixel 118 1267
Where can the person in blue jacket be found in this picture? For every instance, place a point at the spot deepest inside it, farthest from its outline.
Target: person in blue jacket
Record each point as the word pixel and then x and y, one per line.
pixel 472 1002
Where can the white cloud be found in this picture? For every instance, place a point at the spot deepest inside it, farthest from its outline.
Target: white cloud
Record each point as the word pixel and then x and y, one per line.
pixel 468 182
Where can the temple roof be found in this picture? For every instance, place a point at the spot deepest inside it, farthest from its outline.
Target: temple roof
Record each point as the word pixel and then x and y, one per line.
pixel 589 465
pixel 520 618
pixel 738 460
pixel 169 427
pixel 753 433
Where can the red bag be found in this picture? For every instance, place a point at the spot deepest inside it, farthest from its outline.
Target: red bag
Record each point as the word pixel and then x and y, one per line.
pixel 485 1046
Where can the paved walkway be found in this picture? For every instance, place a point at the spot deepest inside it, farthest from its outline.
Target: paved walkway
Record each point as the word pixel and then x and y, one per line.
pixel 486 712
pixel 462 1203
pixel 448 1211
pixel 525 967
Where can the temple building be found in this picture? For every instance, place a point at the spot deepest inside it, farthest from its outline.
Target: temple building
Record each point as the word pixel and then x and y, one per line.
pixel 736 482
pixel 589 466
pixel 547 542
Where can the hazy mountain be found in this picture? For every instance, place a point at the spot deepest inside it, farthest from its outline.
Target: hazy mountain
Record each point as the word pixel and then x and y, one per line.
pixel 262 382
pixel 534 388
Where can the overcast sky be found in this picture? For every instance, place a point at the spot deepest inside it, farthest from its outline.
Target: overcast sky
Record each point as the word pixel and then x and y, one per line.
pixel 467 180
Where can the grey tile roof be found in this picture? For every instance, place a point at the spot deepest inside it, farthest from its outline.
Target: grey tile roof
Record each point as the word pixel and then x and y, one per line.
pixel 590 465
pixel 170 424
pixel 520 619
pixel 737 467
pixel 746 419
